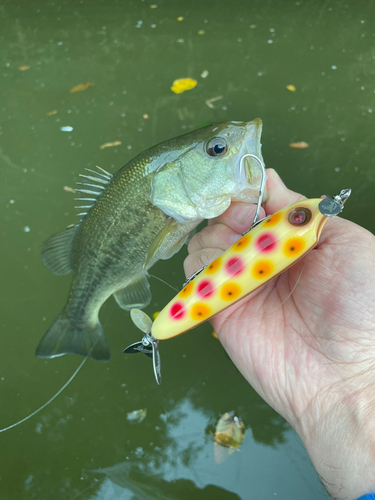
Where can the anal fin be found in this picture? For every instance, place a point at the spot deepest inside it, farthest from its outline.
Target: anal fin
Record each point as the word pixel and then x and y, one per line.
pixel 135 295
pixel 56 251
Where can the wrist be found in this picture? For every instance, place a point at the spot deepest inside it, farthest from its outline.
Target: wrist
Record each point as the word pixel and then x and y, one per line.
pixel 338 432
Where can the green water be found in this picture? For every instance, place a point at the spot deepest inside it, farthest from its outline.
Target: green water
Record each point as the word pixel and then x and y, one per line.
pixel 132 53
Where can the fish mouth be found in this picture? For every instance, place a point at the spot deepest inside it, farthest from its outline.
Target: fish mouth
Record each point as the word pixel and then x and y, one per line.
pixel 252 171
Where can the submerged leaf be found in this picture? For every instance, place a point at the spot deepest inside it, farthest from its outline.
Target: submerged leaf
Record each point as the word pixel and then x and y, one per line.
pixel 229 434
pixel 80 87
pixel 136 416
pixel 183 84
pixel 299 145
pixel 110 144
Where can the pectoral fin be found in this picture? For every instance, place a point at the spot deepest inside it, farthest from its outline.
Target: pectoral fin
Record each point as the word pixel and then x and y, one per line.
pixel 56 251
pixel 135 295
pixel 169 241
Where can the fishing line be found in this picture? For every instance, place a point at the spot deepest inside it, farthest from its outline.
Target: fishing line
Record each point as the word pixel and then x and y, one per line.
pixel 49 401
pixel 55 395
pixel 165 282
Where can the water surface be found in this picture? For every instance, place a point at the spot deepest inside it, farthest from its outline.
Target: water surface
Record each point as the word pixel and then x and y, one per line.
pixel 81 446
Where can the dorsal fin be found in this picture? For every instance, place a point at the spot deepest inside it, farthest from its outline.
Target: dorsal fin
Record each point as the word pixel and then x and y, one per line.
pixel 56 251
pixel 101 180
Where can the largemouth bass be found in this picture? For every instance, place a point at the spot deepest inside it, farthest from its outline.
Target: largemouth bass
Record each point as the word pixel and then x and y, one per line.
pixel 143 213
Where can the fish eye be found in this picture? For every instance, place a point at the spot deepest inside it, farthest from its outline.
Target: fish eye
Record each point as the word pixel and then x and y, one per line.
pixel 217 146
pixel 299 216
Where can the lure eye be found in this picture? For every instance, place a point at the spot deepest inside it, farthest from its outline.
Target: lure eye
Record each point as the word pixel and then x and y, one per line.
pixel 217 147
pixel 299 216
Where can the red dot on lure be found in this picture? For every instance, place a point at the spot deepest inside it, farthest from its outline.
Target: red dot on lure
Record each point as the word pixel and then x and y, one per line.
pixel 234 266
pixel 205 289
pixel 266 242
pixel 177 311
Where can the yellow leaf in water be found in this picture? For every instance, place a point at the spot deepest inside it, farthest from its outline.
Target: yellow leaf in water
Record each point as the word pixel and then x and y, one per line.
pixel 183 84
pixel 229 434
pixel 299 145
pixel 50 113
pixel 155 315
pixel 180 18
pixel 110 144
pixel 153 6
pixel 292 88
pixel 80 87
pixel 23 68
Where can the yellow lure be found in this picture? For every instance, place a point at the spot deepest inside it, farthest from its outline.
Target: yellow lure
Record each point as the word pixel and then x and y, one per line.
pixel 272 246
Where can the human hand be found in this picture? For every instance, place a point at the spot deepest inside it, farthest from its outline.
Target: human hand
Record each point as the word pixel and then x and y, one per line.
pixel 306 340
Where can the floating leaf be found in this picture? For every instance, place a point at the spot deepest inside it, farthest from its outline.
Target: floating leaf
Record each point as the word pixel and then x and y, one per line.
pixel 292 88
pixel 136 416
pixel 183 84
pixel 81 87
pixel 50 113
pixel 298 145
pixel 229 434
pixel 110 144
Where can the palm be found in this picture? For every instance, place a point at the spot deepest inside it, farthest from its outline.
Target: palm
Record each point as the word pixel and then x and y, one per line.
pixel 293 337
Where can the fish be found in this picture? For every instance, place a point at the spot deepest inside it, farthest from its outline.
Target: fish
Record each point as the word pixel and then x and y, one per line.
pixel 142 213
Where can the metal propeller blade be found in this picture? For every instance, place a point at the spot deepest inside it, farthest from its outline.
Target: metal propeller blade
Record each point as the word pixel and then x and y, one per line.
pixel 148 345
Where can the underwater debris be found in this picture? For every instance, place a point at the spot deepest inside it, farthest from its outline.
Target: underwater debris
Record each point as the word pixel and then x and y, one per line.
pixel 23 68
pixel 81 87
pixel 110 144
pixel 51 113
pixel 229 434
pixel 136 416
pixel 213 99
pixel 299 145
pixel 292 88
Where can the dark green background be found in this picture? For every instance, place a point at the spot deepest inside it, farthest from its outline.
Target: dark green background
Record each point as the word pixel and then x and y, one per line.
pixel 326 49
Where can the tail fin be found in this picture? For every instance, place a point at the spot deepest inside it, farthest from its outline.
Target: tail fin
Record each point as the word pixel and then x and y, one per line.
pixel 65 337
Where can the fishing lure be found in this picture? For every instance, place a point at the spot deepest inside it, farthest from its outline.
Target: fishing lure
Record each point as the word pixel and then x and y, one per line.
pixel 267 249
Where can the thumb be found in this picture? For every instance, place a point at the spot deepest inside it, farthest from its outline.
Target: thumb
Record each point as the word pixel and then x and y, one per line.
pixel 279 196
